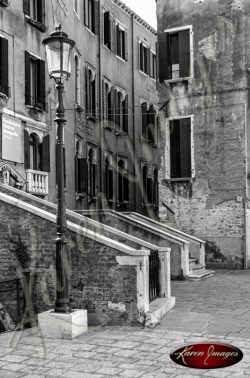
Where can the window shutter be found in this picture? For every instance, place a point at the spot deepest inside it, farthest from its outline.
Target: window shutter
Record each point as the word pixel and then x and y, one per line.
pixel 125 126
pixel 185 147
pixel 144 119
pixel 151 73
pixel 110 184
pixel 155 189
pixel 26 150
pixel 41 11
pixel 96 96
pixel 77 185
pixel 41 83
pixel 113 37
pixel 126 45
pixel 94 180
pixel 87 94
pixel 125 188
pixel 96 17
pixel 140 56
pixel 82 175
pixel 26 7
pixel 118 41
pixel 45 154
pixel 27 78
pixel 163 54
pixel 151 123
pixel 184 53
pixel 148 61
pixel 112 115
pixel 86 13
pixel 120 187
pixel 4 66
pixel 107 27
pixel 117 120
pixel 175 148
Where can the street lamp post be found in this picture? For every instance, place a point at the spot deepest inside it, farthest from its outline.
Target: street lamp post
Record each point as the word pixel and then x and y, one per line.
pixel 58 52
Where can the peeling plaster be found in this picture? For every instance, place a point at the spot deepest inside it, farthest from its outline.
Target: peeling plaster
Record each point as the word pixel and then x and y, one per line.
pixel 208 46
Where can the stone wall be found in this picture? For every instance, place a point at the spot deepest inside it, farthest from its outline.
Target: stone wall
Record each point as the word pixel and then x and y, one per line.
pixel 97 281
pixel 211 204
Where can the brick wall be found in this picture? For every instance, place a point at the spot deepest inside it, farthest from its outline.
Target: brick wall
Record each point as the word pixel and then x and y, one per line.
pixel 97 281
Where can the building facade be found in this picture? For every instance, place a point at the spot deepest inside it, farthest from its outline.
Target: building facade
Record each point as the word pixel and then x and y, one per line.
pixel 204 61
pixel 110 100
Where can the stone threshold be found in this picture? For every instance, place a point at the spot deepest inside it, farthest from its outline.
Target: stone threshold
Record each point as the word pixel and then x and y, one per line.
pixel 157 310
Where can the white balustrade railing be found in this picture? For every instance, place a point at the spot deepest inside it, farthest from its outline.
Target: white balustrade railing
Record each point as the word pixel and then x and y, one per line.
pixel 37 182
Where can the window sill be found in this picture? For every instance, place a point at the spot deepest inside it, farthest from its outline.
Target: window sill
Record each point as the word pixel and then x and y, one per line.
pixel 80 196
pixel 186 179
pixel 146 205
pixel 90 31
pixel 4 3
pixel 120 58
pixel 122 133
pixel 78 108
pixel 35 108
pixel 143 73
pixel 91 117
pixel 108 127
pixel 122 203
pixel 3 95
pixel 107 48
pixel 179 80
pixel 35 23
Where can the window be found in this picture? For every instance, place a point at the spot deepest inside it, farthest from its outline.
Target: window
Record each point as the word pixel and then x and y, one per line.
pixel 91 15
pixel 175 54
pixel 121 42
pixel 122 180
pixel 108 183
pixel 149 123
pixel 180 148
pixel 35 10
pixel 147 186
pixel 91 92
pixel 108 101
pixel 121 110
pixel 155 188
pixel 153 65
pixel 80 169
pixel 36 154
pixel 34 81
pixel 108 30
pixel 144 58
pixel 92 172
pixel 4 67
pixel 77 80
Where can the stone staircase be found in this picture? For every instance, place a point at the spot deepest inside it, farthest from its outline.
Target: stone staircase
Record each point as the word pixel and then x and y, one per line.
pixel 197 271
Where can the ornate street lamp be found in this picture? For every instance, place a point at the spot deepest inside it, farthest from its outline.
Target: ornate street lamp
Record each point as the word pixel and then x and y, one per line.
pixel 58 52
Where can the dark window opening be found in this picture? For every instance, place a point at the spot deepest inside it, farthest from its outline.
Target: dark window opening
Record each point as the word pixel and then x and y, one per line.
pixel 34 82
pixel 122 111
pixel 149 124
pixel 91 15
pixel 108 180
pixel 36 154
pixel 91 93
pixel 180 148
pixel 144 58
pixel 121 43
pixel 35 9
pixel 4 67
pixel 92 174
pixel 123 183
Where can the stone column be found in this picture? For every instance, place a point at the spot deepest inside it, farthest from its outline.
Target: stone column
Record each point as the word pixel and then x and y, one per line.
pixel 165 274
pixel 202 254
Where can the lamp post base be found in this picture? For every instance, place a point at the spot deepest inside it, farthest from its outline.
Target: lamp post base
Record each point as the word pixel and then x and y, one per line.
pixel 63 326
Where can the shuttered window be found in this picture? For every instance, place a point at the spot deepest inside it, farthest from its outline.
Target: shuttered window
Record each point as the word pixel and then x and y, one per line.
pixel 34 81
pixel 4 67
pixel 180 148
pixel 144 58
pixel 156 189
pixel 109 192
pixel 91 15
pixel 121 42
pixel 107 102
pixel 174 55
pixel 122 181
pixel 36 154
pixel 92 173
pixel 147 187
pixel 35 9
pixel 91 93
pixel 149 126
pixel 121 111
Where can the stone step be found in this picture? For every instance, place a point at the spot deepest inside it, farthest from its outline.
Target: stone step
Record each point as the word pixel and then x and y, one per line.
pixel 197 276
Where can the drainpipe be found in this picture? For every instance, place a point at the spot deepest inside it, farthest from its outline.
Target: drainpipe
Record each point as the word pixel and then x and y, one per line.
pixel 133 106
pixel 100 109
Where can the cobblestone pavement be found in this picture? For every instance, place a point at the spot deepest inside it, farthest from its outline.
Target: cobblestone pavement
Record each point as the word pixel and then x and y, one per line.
pixel 214 309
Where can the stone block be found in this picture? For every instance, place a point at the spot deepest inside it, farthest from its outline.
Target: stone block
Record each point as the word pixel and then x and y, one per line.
pixel 63 326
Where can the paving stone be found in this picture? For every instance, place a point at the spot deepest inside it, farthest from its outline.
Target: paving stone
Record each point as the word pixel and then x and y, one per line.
pixel 131 373
pixel 10 374
pixel 126 344
pixel 13 366
pixel 13 358
pixel 109 371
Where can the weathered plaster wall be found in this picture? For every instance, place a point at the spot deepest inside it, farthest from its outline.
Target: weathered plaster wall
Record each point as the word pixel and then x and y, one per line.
pixel 211 206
